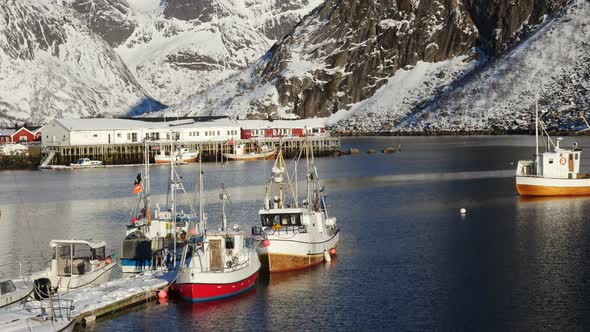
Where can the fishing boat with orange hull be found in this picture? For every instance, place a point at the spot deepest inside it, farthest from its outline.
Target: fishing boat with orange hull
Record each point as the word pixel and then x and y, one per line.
pixel 241 154
pixel 555 172
pixel 295 235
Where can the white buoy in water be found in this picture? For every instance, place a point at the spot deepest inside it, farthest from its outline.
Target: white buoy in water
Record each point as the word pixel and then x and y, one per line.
pixel 463 211
pixel 327 256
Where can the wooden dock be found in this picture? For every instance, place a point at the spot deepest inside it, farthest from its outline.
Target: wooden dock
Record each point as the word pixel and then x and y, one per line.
pixel 120 154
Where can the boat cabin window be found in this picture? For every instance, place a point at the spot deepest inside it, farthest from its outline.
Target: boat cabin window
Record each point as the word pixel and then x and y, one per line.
pixel 7 287
pixel 98 254
pixel 576 156
pixel 73 259
pixel 281 219
pixel 551 161
pixel 229 242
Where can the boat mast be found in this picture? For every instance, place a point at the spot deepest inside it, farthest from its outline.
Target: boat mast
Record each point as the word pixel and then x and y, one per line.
pixel 201 200
pixel 223 196
pixel 146 190
pixel 537 166
pixel 172 197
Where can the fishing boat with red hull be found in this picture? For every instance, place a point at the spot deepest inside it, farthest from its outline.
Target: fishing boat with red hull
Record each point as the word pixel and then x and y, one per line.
pixel 216 265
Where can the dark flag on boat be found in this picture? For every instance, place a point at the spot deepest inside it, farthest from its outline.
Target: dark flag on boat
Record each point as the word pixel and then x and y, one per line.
pixel 137 184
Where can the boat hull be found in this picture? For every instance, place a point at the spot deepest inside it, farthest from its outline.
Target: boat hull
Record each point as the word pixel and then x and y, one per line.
pixel 537 186
pixel 250 156
pixel 129 265
pixel 203 292
pixel 284 255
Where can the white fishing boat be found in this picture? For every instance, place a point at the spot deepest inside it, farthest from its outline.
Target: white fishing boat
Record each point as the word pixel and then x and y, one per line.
pixel 75 264
pixel 554 172
pixel 180 155
pixel 86 163
pixel 150 235
pixel 216 265
pixel 295 235
pixel 37 317
pixel 241 153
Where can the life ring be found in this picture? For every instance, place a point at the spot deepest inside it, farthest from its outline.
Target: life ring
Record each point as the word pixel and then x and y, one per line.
pixel 182 236
pixel 562 161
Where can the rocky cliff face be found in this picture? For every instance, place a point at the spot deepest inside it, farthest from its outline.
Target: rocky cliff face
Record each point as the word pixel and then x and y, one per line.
pixel 346 50
pixel 110 19
pixel 52 65
pixel 501 22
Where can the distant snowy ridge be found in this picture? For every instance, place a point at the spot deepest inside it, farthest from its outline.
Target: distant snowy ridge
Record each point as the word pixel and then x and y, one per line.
pixel 52 65
pixel 178 48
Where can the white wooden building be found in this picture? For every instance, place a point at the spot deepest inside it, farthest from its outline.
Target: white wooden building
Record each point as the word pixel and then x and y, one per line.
pixel 71 132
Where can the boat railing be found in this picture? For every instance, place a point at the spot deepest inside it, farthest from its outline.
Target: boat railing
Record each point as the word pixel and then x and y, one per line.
pixel 287 230
pixel 55 308
pixel 236 267
pixel 25 269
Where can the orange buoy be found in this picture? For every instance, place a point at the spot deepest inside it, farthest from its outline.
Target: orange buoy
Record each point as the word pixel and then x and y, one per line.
pixel 266 243
pixel 162 294
pixel 333 251
pixel 191 231
pixel 109 260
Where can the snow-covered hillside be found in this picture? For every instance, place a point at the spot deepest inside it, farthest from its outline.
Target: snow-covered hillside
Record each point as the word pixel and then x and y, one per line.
pixel 52 65
pixel 178 48
pixel 553 63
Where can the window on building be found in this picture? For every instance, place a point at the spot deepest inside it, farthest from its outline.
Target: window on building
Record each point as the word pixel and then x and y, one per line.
pixel 118 135
pixel 133 137
pixel 128 136
pixel 95 135
pixel 22 138
pixel 167 136
pixel 218 133
pixel 197 133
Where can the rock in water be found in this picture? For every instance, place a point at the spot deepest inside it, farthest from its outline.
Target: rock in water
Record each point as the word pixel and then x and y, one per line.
pixel 389 150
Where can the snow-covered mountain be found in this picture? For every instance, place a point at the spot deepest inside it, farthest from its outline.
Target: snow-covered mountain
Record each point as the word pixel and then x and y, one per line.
pixel 552 65
pixel 374 66
pixel 52 65
pixel 177 48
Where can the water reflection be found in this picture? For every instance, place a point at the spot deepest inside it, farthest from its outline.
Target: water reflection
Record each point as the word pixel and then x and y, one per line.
pixel 407 259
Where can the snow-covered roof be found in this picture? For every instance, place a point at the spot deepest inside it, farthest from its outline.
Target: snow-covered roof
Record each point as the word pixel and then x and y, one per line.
pixel 108 124
pixel 7 132
pixel 126 124
pixel 309 123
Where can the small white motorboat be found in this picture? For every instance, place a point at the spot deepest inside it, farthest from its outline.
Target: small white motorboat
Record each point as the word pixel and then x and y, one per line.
pixel 181 155
pixel 86 162
pixel 263 152
pixel 76 264
pixel 14 291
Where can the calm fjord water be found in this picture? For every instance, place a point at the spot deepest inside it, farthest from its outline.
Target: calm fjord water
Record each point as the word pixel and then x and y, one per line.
pixel 407 259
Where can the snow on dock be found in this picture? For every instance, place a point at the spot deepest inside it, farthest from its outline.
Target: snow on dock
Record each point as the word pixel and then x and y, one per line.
pixel 117 294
